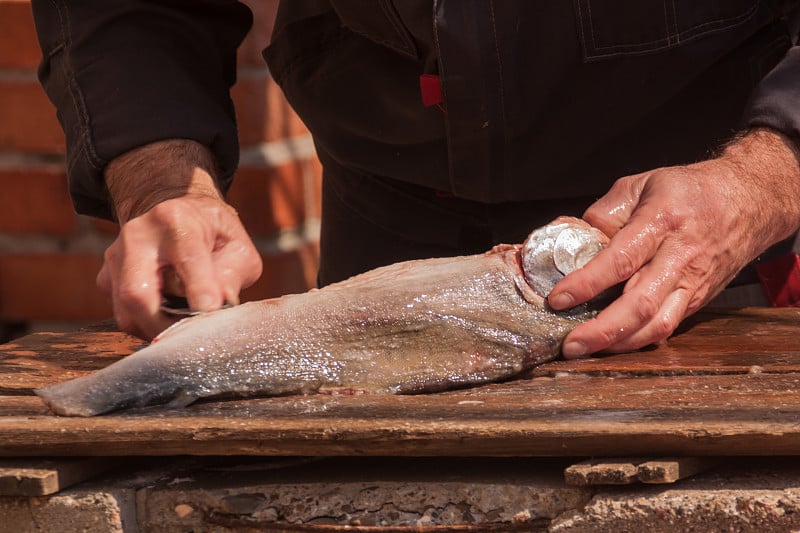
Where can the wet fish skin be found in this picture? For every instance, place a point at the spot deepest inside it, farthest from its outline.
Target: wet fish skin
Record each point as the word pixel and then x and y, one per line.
pixel 416 326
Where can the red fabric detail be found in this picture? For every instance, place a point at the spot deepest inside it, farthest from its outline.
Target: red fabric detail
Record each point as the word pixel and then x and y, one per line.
pixel 431 89
pixel 780 278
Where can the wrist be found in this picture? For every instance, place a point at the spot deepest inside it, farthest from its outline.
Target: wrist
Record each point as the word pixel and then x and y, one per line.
pixel 148 175
pixel 766 148
pixel 769 164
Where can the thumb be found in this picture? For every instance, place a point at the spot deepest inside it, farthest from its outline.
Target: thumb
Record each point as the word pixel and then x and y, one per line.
pixel 613 210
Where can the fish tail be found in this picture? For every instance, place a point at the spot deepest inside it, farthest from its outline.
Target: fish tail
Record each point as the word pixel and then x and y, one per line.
pixel 72 399
pixel 113 388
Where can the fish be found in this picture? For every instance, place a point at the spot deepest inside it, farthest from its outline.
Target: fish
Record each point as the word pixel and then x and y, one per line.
pixel 418 326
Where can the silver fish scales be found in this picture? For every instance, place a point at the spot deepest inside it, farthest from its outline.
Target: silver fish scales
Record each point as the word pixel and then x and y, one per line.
pixel 416 326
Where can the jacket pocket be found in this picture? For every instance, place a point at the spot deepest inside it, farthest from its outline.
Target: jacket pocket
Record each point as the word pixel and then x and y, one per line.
pixel 380 23
pixel 609 28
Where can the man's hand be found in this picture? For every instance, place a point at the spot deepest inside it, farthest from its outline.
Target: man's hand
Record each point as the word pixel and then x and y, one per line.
pixel 177 235
pixel 679 235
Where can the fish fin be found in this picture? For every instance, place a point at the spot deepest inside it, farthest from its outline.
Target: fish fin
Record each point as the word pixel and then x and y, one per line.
pixel 64 408
pixel 182 399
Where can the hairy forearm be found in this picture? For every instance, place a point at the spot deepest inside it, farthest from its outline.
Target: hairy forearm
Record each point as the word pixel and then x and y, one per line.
pixel 151 174
pixel 769 164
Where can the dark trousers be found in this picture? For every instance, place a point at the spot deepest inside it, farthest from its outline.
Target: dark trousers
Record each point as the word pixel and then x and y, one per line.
pixel 369 222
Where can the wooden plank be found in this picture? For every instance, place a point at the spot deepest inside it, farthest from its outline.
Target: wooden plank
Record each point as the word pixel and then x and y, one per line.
pixel 725 385
pixel 617 471
pixel 42 359
pixel 724 342
pixel 752 414
pixel 711 342
pixel 670 470
pixel 629 470
pixel 40 477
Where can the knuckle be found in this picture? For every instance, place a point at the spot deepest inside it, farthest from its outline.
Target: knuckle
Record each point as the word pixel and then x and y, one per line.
pixel 698 301
pixel 243 260
pixel 129 297
pixel 593 215
pixel 624 265
pixel 253 257
pixel 646 307
pixel 607 338
pixel 185 262
pixel 663 328
pixel 674 217
pixel 257 268
pixel 111 255
pixel 227 210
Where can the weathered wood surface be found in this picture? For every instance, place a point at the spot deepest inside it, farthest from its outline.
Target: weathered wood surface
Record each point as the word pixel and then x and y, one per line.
pixel 619 471
pixel 40 477
pixel 670 470
pixel 727 384
pixel 42 359
pixel 629 470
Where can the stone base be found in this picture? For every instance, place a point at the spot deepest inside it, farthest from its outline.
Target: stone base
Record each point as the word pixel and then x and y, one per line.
pixel 419 494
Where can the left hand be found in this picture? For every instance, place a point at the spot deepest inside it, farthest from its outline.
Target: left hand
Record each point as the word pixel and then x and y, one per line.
pixel 679 235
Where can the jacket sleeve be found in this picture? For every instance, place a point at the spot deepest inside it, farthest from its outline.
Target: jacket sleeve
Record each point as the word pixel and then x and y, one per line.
pixel 776 100
pixel 124 73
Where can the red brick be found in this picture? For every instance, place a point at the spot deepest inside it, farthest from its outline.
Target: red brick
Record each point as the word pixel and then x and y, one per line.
pixel 62 286
pixel 271 199
pixel 258 38
pixel 315 202
pixel 287 273
pixel 19 48
pixel 27 119
pixel 51 287
pixel 262 112
pixel 268 199
pixel 35 200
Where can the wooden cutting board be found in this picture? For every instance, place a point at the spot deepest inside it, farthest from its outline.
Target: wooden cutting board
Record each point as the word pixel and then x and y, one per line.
pixel 728 383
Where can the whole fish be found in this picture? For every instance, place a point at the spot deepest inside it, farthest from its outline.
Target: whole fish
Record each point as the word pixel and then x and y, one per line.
pixel 415 326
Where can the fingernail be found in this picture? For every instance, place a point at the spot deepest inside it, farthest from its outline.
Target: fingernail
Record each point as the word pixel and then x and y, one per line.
pixel 574 350
pixel 562 300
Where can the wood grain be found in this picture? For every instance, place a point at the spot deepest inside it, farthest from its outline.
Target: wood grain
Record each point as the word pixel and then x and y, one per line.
pixel 629 470
pixel 727 384
pixel 672 469
pixel 42 359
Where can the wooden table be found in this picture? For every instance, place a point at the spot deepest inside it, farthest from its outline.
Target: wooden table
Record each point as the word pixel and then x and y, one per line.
pixel 726 384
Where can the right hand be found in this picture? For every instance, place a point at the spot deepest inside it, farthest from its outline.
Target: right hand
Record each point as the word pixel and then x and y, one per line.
pixel 177 235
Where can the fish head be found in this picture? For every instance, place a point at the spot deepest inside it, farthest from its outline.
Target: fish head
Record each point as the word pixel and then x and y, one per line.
pixel 557 249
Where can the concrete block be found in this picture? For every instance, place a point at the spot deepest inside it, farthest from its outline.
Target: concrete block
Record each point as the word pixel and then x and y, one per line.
pixel 105 504
pixel 364 492
pixel 104 511
pixel 755 495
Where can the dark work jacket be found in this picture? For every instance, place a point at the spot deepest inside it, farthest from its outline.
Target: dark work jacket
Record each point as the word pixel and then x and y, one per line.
pixel 541 99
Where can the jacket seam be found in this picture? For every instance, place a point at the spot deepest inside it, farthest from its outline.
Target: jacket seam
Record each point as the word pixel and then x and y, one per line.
pixel 407 45
pixel 670 40
pixel 76 95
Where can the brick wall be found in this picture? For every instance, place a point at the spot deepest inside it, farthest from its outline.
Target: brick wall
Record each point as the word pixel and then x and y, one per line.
pixel 49 256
